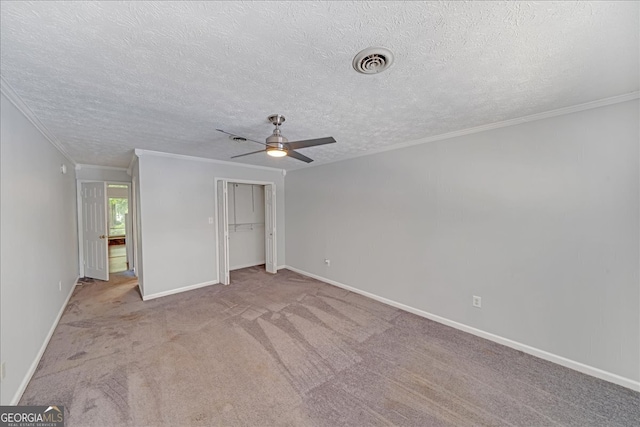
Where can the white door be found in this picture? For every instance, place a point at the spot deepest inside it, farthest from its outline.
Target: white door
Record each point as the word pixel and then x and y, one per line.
pixel 94 230
pixel 270 228
pixel 223 233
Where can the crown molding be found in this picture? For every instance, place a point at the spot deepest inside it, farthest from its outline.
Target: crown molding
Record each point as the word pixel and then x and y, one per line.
pixel 139 152
pixel 506 123
pixel 15 99
pixel 131 163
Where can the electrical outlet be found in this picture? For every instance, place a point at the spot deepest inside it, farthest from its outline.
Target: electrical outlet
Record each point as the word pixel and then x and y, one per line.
pixel 3 371
pixel 60 285
pixel 210 220
pixel 327 262
pixel 477 301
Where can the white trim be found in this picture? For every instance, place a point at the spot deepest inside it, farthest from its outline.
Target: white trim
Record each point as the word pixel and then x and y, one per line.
pixel 217 219
pixel 108 181
pixel 505 123
pixel 251 264
pixel 271 227
pixel 246 181
pixel 139 152
pixel 222 275
pixel 80 224
pixel 563 361
pixel 15 99
pixel 134 227
pixel 32 369
pixel 179 290
pixel 111 168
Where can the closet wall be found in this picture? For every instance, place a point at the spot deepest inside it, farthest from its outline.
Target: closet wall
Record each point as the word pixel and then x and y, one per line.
pixel 246 225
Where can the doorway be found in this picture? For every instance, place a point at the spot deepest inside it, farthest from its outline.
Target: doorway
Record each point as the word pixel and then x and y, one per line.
pixel 119 227
pixel 104 228
pixel 246 231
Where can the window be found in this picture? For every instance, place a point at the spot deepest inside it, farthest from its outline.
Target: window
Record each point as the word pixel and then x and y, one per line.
pixel 118 208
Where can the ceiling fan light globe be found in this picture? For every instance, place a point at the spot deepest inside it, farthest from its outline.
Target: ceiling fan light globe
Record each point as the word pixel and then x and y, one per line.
pixel 276 152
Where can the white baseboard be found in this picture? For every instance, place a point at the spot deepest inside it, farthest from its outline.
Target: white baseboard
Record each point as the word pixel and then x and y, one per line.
pixel 36 361
pixel 179 290
pixel 563 361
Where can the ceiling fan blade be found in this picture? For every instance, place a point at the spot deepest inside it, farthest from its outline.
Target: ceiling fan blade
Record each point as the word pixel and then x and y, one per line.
pixel 294 145
pixel 299 156
pixel 246 154
pixel 240 136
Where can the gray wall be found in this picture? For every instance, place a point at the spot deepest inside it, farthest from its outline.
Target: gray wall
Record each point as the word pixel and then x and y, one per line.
pixel 540 219
pixel 39 243
pixel 101 173
pixel 176 200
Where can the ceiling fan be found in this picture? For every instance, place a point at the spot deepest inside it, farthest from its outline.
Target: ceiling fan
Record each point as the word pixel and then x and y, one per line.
pixel 279 146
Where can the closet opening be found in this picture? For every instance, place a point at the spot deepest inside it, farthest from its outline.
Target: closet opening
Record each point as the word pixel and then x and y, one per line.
pixel 246 226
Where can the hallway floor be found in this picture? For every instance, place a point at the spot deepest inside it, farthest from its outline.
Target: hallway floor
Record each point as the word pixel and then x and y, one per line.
pixel 117 258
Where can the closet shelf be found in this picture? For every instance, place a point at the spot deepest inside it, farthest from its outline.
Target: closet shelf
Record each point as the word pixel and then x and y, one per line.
pixel 246 226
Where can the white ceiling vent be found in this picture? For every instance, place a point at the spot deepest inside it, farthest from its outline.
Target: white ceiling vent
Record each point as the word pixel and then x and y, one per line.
pixel 373 60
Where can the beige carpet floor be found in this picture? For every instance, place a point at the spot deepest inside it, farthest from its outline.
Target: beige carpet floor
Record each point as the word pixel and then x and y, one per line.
pixel 286 350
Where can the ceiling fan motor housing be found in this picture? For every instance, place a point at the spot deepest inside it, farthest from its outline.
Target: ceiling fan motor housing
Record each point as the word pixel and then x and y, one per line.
pixel 277 140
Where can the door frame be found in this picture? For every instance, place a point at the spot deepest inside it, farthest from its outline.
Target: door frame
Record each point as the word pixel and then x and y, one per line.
pixel 275 219
pixel 79 183
pixel 222 231
pixel 133 208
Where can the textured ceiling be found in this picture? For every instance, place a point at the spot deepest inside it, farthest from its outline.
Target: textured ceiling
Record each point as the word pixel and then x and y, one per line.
pixel 107 77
